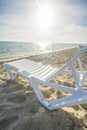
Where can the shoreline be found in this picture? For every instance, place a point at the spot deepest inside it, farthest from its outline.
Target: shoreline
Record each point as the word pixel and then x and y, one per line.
pixel 16 57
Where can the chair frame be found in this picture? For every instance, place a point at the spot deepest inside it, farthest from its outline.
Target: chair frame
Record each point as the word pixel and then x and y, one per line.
pixel 78 94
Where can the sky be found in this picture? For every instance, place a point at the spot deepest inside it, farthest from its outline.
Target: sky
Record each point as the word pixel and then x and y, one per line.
pixel 50 21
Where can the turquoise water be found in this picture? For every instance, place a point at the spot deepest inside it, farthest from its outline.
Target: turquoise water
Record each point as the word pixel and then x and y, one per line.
pixel 12 49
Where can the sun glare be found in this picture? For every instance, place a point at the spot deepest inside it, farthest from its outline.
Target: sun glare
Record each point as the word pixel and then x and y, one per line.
pixel 45 17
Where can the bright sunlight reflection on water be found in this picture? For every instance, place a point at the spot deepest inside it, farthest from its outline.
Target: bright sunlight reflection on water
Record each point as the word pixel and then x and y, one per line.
pixel 43 45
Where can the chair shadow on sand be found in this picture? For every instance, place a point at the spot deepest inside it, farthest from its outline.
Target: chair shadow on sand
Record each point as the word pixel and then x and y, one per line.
pixel 20 110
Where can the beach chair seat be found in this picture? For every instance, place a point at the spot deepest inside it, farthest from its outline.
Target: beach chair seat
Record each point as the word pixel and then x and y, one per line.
pixel 27 68
pixel 38 73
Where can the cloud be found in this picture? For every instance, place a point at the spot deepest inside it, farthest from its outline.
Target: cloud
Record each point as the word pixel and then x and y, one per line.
pixel 18 21
pixel 76 2
pixel 76 15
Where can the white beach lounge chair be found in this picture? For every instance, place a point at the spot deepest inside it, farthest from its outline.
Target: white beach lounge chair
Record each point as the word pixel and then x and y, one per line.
pixel 39 73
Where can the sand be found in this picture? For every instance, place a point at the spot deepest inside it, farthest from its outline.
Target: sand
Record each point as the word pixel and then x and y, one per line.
pixel 20 109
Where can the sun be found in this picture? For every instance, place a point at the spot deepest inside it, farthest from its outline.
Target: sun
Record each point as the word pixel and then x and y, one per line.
pixel 45 17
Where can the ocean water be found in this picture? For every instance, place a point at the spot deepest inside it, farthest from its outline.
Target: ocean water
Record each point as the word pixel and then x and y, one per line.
pixel 14 49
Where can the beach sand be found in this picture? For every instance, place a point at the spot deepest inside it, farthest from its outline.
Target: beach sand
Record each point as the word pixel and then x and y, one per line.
pixel 19 106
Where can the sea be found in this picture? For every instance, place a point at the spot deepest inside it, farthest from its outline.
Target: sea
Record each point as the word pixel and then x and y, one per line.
pixel 19 49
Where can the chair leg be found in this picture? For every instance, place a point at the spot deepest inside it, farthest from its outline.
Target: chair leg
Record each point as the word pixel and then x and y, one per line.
pixel 12 77
pixel 38 92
